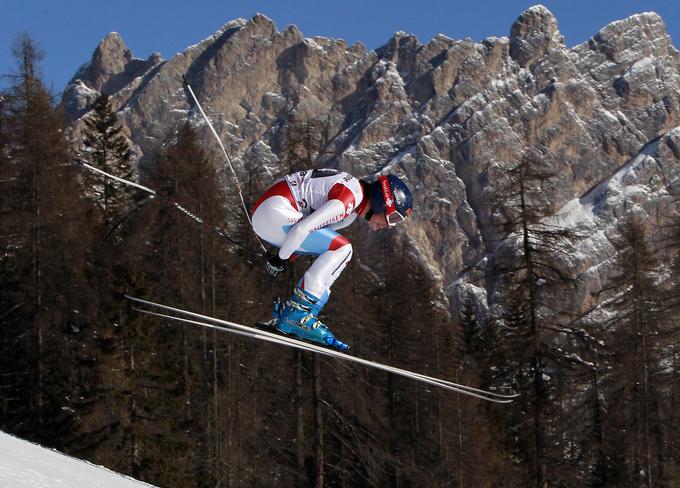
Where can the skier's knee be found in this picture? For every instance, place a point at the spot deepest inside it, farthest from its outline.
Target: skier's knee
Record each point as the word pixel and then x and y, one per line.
pixel 343 255
pixel 350 251
pixel 344 252
pixel 339 242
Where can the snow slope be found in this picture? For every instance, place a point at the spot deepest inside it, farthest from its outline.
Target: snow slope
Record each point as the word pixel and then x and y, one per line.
pixel 26 465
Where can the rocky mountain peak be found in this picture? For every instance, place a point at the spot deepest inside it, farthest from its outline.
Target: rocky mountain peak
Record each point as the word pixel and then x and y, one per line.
pixel 260 24
pixel 451 116
pixel 642 34
pixel 109 59
pixel 533 34
pixel 111 68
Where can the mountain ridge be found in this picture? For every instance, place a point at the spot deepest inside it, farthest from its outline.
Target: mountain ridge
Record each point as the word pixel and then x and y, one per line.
pixel 451 116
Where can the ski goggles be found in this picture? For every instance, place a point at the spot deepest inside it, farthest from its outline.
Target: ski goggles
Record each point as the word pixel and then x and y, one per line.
pixel 392 215
pixel 394 218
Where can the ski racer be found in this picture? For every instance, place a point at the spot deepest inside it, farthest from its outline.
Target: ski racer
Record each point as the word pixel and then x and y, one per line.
pixel 301 214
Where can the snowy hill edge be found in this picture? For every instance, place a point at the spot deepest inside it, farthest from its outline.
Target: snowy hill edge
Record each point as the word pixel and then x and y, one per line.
pixel 27 465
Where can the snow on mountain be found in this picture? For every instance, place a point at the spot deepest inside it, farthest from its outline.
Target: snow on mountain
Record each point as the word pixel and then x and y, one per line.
pixel 27 465
pixel 611 192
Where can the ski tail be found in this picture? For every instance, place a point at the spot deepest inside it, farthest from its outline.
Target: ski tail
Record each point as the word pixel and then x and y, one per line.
pixel 193 318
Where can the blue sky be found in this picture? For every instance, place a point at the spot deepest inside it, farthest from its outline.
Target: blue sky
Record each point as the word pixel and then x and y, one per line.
pixel 69 30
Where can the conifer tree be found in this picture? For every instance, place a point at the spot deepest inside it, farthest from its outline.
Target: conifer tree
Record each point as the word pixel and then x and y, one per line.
pixel 188 269
pixel 305 145
pixel 670 376
pixel 638 337
pixel 527 274
pixel 45 229
pixel 106 148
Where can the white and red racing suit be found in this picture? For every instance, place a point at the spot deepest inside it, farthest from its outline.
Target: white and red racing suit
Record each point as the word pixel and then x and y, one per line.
pixel 301 213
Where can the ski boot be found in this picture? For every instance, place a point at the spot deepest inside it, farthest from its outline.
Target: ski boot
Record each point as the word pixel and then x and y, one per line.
pixel 299 318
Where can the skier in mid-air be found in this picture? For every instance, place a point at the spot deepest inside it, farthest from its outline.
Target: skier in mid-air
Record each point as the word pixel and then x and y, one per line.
pixel 301 214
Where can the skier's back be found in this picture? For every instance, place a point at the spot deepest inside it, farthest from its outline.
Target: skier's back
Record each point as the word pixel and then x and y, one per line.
pixel 301 214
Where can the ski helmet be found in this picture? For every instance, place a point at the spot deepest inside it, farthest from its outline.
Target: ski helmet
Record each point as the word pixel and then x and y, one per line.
pixel 389 194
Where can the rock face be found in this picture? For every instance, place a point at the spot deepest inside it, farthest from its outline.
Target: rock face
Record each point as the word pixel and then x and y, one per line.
pixel 451 116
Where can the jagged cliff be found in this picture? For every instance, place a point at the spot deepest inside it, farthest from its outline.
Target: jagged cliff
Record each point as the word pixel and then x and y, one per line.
pixel 450 115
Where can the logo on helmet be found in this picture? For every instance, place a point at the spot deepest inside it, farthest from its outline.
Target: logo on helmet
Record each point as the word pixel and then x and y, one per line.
pixel 387 193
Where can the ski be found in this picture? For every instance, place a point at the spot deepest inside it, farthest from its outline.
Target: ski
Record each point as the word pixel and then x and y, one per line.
pixel 255 333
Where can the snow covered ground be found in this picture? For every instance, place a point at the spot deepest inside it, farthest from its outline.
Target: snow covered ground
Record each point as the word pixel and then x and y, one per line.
pixel 26 465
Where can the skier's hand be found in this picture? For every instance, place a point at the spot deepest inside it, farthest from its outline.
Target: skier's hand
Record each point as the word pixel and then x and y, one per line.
pixel 275 265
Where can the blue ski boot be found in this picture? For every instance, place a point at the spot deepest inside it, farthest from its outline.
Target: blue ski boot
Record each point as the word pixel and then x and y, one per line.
pixel 299 318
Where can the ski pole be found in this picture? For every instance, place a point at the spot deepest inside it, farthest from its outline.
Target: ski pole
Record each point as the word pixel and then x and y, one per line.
pixel 121 180
pixel 226 155
pixel 170 201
